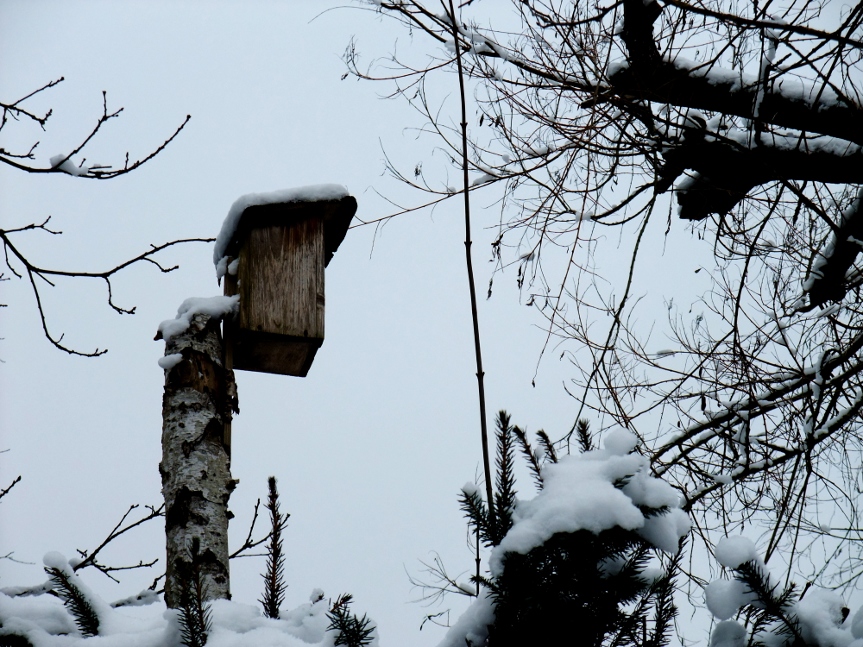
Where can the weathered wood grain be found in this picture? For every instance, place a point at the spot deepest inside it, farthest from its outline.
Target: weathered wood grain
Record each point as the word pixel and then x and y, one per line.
pixel 281 278
pixel 283 250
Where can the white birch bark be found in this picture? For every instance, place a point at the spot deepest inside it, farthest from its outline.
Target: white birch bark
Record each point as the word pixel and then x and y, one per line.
pixel 199 398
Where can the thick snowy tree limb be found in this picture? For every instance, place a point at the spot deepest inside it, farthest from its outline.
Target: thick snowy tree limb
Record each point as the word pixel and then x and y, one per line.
pixel 829 278
pixel 706 88
pixel 727 170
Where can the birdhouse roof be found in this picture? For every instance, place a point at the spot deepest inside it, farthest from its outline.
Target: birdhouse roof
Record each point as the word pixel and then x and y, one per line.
pixel 330 202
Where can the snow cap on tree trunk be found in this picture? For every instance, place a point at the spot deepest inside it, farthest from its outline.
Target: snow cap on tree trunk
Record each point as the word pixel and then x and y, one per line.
pixel 217 307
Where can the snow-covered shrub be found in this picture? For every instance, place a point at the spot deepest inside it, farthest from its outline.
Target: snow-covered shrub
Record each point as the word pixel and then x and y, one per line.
pixel 774 615
pixel 575 560
pixel 43 621
pixel 64 611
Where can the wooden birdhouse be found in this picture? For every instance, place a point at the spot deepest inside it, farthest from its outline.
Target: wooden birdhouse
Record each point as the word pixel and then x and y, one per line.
pixel 276 252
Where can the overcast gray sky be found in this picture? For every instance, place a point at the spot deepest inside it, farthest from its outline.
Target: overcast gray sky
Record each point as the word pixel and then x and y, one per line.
pixel 372 447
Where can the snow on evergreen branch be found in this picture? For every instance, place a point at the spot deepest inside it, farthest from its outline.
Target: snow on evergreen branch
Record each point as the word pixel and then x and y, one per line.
pixel 74 598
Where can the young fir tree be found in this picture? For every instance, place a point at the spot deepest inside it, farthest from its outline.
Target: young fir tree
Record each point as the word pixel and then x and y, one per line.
pixel 195 616
pixel 274 576
pixel 352 630
pixel 587 586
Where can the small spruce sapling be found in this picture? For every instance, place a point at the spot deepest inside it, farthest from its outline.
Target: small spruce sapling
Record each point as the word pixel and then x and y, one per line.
pixel 274 577
pixel 492 527
pixel 195 615
pixel 592 582
pixel 352 631
pixel 582 432
pixel 504 494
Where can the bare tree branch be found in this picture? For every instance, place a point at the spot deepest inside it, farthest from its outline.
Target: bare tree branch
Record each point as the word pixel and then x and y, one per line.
pixel 89 557
pixel 595 128
pixel 18 260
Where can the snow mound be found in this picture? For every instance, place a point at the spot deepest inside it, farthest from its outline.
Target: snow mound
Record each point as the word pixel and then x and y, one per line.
pixel 45 622
pixel 170 361
pixel 820 617
pixel 56 560
pixel 857 623
pixel 731 552
pixel 472 626
pixel 725 597
pixel 620 442
pixel 728 634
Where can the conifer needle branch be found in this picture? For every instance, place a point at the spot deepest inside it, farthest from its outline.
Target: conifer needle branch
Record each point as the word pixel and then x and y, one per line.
pixel 75 600
pixel 195 614
pixel 486 463
pixel 504 501
pixel 352 631
pixel 529 455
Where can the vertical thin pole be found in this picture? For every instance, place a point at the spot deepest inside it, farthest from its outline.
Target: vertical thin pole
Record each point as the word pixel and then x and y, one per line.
pixel 467 250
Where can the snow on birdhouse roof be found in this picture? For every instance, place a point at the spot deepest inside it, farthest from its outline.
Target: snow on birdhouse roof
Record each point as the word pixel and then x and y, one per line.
pixel 304 194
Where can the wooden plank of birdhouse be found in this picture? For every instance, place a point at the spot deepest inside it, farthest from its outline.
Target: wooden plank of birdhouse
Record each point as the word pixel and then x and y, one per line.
pixel 281 276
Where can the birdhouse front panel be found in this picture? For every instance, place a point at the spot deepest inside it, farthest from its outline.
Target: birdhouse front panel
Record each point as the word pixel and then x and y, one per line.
pixel 281 277
pixel 281 250
pixel 280 280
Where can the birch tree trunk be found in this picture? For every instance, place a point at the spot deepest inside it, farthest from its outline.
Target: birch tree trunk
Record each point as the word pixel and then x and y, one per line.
pixel 200 396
